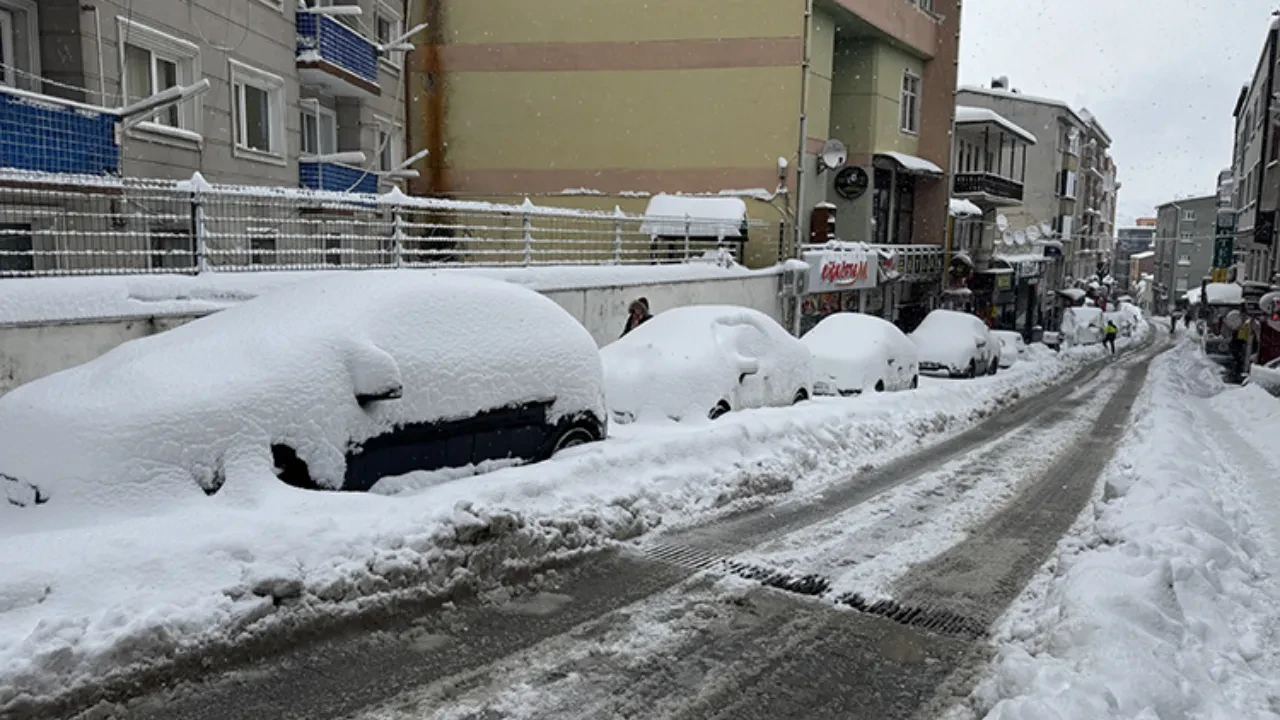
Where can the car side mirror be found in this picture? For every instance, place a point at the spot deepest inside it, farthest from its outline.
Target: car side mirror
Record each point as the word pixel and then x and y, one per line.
pixel 746 367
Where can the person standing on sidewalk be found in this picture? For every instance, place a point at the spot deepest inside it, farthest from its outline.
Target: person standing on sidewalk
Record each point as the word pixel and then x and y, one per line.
pixel 1110 335
pixel 637 315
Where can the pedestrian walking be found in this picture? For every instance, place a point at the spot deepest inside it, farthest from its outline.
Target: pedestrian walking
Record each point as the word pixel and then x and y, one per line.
pixel 1173 325
pixel 637 315
pixel 1110 335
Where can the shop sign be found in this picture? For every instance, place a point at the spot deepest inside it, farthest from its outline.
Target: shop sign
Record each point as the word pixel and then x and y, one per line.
pixel 1029 269
pixel 840 270
pixel 1004 281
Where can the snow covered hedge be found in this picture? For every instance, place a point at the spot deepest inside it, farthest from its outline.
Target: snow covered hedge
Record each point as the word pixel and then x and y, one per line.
pixel 1160 604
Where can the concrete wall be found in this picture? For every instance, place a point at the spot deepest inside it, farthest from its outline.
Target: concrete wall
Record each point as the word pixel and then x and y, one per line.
pixel 31 351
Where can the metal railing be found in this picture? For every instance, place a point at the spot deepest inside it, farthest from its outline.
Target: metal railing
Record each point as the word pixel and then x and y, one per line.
pixel 988 183
pixel 51 227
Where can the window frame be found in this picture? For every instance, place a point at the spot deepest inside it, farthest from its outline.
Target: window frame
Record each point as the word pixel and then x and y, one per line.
pixel 909 102
pixel 273 85
pixel 306 114
pixel 263 256
pixel 395 131
pixel 22 14
pixel 1188 216
pixel 393 60
pixel 185 57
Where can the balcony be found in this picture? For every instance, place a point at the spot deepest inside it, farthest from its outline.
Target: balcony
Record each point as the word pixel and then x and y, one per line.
pixel 988 188
pixel 336 178
pixel 44 134
pixel 336 57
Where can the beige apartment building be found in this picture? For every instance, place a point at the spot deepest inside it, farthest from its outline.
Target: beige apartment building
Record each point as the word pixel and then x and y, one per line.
pixel 600 105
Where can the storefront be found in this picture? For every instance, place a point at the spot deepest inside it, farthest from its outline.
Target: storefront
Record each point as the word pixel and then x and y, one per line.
pixel 994 297
pixel 1028 278
pixel 910 276
pixel 842 278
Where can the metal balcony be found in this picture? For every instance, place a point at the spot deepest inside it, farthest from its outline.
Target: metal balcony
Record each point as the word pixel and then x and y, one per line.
pixel 336 178
pixel 336 57
pixel 45 134
pixel 993 189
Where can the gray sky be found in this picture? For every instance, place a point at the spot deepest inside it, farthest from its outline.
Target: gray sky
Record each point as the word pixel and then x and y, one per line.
pixel 1161 76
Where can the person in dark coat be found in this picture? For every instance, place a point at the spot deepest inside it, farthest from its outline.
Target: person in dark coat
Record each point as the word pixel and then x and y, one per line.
pixel 637 315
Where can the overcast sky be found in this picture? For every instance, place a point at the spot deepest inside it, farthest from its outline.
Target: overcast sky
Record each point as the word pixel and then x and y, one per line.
pixel 1161 76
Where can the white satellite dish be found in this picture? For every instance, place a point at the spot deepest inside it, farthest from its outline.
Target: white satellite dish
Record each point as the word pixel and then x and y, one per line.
pixel 833 156
pixel 1033 233
pixel 1046 229
pixel 1002 222
pixel 1020 237
pixel 1008 239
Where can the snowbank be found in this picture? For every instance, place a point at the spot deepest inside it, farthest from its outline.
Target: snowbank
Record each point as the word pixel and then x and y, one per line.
pixel 31 300
pixel 83 603
pixel 1160 604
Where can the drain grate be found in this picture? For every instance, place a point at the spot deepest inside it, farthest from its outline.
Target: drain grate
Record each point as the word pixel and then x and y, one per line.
pixel 813 585
pixel 682 556
pixel 936 620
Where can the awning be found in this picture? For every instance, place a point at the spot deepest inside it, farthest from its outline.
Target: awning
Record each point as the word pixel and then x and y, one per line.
pixel 964 208
pixel 912 164
pixel 703 217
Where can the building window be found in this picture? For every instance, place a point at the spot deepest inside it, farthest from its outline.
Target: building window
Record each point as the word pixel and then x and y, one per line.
pixel 909 110
pixel 16 239
pixel 387 27
pixel 171 247
pixel 319 131
pixel 258 112
pixel 905 209
pixel 1180 285
pixel 333 249
pixel 1188 216
pixel 1185 236
pixel 880 204
pixel 19 45
pixel 1184 260
pixel 390 152
pixel 155 61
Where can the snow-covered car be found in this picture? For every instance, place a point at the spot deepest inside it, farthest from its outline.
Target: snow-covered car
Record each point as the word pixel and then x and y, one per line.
pixel 1267 376
pixel 956 343
pixel 1082 326
pixel 855 353
pixel 333 383
pixel 704 361
pixel 1012 347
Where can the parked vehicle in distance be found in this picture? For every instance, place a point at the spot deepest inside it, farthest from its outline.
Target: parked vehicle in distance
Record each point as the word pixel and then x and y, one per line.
pixel 956 343
pixel 855 353
pixel 1012 347
pixel 330 384
pixel 704 361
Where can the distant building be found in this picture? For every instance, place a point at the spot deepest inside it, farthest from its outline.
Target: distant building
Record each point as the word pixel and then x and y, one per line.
pixel 1256 150
pixel 1148 222
pixel 1130 240
pixel 1184 245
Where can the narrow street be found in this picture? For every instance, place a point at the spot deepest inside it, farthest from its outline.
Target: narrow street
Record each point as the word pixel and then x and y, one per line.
pixel 874 600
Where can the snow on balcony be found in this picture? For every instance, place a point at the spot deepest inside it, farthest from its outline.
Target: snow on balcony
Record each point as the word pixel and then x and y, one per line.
pixel 336 178
pixel 336 57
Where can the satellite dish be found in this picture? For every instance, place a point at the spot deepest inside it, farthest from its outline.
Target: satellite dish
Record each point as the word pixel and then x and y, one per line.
pixel 1046 229
pixel 833 156
pixel 1033 233
pixel 1008 239
pixel 1020 237
pixel 1002 222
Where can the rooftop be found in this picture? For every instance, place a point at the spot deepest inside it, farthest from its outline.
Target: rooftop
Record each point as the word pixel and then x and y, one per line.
pixel 966 114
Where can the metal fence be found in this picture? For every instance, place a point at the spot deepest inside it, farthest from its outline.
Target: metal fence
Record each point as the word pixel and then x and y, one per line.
pixel 51 227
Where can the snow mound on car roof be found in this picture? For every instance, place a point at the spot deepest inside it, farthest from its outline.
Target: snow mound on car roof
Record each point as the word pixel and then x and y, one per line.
pixel 171 415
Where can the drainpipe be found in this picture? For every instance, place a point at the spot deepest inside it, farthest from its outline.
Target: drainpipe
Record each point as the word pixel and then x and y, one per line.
pixel 804 133
pixel 97 41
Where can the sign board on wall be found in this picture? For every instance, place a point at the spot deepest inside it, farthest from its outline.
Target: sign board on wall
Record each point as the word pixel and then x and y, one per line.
pixel 840 270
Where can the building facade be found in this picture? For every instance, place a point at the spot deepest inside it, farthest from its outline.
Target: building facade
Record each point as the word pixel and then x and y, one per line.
pixel 1256 181
pixel 1183 246
pixel 1070 180
pixel 1129 241
pixel 601 105
pixel 286 86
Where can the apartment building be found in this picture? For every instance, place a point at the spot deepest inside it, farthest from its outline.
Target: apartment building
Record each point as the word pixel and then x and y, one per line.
pixel 1130 241
pixel 600 105
pixel 1069 182
pixel 288 86
pixel 1254 162
pixel 1184 244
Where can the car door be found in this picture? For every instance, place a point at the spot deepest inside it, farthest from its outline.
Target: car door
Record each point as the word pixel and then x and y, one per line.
pixel 747 350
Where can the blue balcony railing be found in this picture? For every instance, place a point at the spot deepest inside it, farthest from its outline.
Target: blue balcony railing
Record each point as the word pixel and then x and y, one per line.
pixel 336 178
pixel 54 136
pixel 329 47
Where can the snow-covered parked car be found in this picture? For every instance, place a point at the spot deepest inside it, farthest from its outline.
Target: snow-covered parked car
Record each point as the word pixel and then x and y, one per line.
pixel 1082 326
pixel 704 361
pixel 1012 347
pixel 333 384
pixel 1267 376
pixel 855 353
pixel 956 343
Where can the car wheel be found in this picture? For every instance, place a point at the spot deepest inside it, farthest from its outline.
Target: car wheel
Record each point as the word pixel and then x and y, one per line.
pixel 995 367
pixel 879 386
pixel 720 410
pixel 915 382
pixel 972 372
pixel 573 437
pixel 800 396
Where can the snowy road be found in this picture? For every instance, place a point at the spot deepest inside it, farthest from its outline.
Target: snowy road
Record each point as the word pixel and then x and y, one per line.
pixel 893 576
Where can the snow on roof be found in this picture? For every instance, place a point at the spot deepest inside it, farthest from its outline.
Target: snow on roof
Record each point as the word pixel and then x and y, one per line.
pixel 970 114
pixel 964 208
pixel 1008 95
pixel 674 215
pixel 1074 293
pixel 1022 257
pixel 1218 294
pixel 1142 255
pixel 911 163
